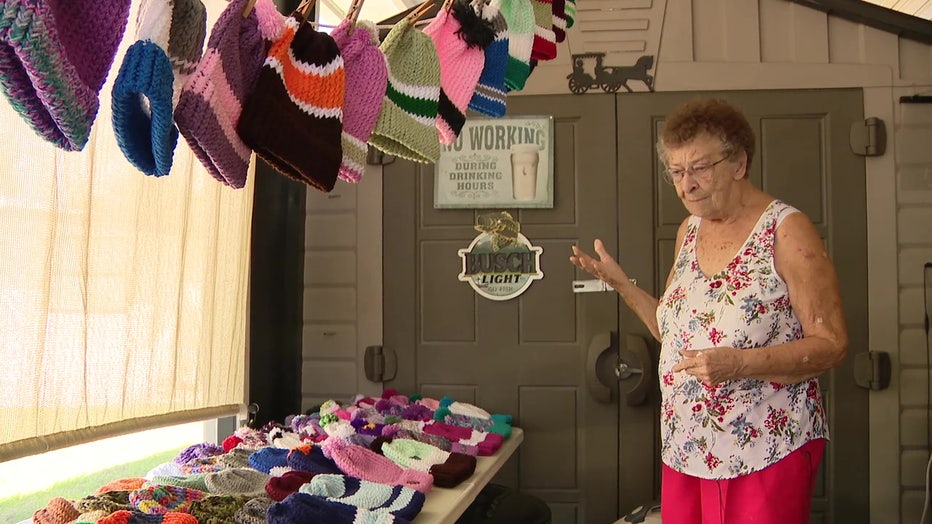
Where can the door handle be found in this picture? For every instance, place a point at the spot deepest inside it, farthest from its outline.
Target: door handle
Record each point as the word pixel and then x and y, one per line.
pixel 634 362
pixel 598 356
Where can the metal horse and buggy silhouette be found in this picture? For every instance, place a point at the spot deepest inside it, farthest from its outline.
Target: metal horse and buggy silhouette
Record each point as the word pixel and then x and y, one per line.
pixel 609 78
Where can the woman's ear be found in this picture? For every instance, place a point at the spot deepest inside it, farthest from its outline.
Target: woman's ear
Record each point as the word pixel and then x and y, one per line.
pixel 741 165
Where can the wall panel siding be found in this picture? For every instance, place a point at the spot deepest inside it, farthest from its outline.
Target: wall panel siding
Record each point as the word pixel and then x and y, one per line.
pixel 790 32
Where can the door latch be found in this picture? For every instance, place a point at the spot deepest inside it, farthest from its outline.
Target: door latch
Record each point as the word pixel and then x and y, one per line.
pixel 594 286
pixel 380 363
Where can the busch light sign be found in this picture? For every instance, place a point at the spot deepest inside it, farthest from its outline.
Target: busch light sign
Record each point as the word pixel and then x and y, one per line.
pixel 500 263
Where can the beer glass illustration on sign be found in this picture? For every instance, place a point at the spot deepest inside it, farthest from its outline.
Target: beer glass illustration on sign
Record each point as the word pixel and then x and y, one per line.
pixel 524 161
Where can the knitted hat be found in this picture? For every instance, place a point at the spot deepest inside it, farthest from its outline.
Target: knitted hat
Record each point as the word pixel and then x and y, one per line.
pixel 92 516
pixel 135 517
pixel 366 81
pixel 237 481
pixel 264 459
pixel 460 67
pixel 437 440
pixel 54 59
pixel 463 408
pixel 366 464
pixel 253 512
pixel 195 481
pixel 301 507
pixel 397 500
pixel 125 484
pixel 236 458
pixel 196 451
pixel 311 458
pixel 407 125
pixel 570 13
pixel 294 117
pixel 519 16
pixel 166 469
pixel 280 487
pixel 108 501
pixel 155 500
pixel 559 19
pixel 146 133
pixel 545 41
pixel 451 472
pixel 211 101
pixel 448 469
pixel 217 509
pixel 491 93
pixel 57 511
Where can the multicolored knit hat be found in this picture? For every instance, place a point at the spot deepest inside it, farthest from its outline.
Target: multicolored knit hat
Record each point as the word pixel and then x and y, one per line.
pixel 545 41
pixel 155 500
pixel 366 80
pixel 54 59
pixel 491 93
pixel 147 135
pixel 301 507
pixel 211 101
pixel 519 16
pixel 460 67
pixel 570 13
pixel 383 498
pixel 363 463
pixel 294 118
pixel 407 125
pixel 559 19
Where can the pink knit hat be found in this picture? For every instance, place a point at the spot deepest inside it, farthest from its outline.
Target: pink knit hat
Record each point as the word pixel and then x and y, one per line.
pixel 363 463
pixel 460 68
pixel 367 79
pixel 211 100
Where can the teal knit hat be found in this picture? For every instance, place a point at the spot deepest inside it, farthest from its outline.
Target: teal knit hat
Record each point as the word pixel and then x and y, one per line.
pixel 407 125
pixel 519 17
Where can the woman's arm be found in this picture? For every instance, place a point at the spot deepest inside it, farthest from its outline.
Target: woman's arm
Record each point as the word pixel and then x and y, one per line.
pixel 803 263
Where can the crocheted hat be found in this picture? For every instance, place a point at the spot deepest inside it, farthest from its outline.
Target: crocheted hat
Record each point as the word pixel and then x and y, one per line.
pixel 57 511
pixel 196 451
pixel 311 458
pixel 280 487
pixel 146 133
pixel 54 59
pixel 135 517
pixel 108 501
pixel 301 507
pixel 519 16
pixel 217 509
pixel 407 125
pixel 449 469
pixel 264 459
pixel 397 500
pixel 363 463
pixel 545 41
pixel 253 512
pixel 236 458
pixel 559 19
pixel 294 118
pixel 155 500
pixel 124 484
pixel 366 80
pixel 491 93
pixel 211 101
pixel 237 481
pixel 570 13
pixel 460 67
pixel 194 481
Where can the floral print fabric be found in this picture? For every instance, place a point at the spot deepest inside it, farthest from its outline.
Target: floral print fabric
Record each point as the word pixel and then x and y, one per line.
pixel 739 426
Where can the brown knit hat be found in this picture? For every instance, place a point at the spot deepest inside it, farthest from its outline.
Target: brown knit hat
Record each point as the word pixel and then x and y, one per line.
pixel 58 511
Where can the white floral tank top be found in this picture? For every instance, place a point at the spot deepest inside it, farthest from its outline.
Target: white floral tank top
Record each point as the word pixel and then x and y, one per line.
pixel 744 425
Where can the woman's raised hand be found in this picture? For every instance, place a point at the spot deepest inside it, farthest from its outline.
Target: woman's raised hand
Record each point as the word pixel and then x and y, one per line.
pixel 605 268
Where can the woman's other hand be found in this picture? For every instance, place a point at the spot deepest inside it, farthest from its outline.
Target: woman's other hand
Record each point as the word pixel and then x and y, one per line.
pixel 710 366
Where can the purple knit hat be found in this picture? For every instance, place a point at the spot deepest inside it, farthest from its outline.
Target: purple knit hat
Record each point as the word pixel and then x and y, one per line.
pixel 54 59
pixel 211 101
pixel 367 79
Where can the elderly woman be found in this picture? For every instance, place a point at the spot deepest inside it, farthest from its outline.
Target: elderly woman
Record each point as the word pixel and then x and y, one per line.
pixel 750 316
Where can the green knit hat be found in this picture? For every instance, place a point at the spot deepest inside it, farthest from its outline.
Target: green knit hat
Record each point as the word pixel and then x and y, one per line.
pixel 519 16
pixel 407 124
pixel 570 13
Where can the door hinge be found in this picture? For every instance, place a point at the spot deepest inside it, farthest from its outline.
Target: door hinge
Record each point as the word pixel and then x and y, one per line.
pixel 872 370
pixel 869 137
pixel 380 363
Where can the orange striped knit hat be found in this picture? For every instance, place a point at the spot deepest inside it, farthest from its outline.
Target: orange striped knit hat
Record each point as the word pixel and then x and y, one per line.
pixel 294 117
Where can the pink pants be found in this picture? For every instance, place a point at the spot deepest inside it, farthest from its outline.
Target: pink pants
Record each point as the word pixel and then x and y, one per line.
pixel 778 494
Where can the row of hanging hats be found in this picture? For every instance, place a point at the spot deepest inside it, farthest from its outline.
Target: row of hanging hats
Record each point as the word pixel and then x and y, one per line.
pixel 307 102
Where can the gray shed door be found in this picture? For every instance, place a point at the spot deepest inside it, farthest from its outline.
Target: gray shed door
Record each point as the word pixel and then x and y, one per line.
pixel 590 448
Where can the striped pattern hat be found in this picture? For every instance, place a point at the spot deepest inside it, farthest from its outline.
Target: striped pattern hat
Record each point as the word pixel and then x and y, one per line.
pixel 407 124
pixel 545 40
pixel 211 101
pixel 294 118
pixel 146 133
pixel 519 16
pixel 570 13
pixel 460 68
pixel 54 59
pixel 366 79
pixel 491 93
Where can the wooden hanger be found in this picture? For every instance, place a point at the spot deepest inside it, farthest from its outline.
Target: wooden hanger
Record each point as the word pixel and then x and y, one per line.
pixel 248 9
pixel 421 10
pixel 354 10
pixel 305 8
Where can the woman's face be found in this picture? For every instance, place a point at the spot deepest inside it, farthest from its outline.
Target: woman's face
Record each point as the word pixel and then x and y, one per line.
pixel 704 176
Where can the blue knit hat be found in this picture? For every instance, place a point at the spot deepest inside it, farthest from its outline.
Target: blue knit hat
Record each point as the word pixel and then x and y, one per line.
pixel 491 93
pixel 155 67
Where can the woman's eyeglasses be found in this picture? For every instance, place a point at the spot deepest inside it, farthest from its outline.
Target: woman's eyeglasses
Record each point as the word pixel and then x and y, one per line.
pixel 702 172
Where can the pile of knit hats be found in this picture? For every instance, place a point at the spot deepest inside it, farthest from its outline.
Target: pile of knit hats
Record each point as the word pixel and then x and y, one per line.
pixel 307 102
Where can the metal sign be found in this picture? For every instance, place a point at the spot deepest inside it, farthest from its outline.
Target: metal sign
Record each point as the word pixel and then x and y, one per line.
pixel 500 263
